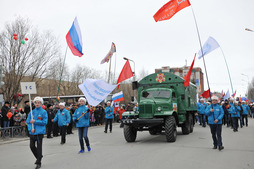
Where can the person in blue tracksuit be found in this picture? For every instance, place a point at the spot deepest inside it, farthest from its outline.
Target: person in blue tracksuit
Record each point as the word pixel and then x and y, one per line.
pixel 235 114
pixel 63 117
pixel 36 124
pixel 82 116
pixel 246 110
pixel 201 109
pixel 215 114
pixel 109 117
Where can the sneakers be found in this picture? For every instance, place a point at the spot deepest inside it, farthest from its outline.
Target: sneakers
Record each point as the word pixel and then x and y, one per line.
pixel 88 148
pixel 105 131
pixel 81 151
pixel 214 147
pixel 221 148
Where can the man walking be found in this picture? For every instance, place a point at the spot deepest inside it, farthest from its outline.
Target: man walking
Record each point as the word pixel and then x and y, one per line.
pixel 201 109
pixel 109 117
pixel 36 124
pixel 63 117
pixel 215 114
pixel 246 110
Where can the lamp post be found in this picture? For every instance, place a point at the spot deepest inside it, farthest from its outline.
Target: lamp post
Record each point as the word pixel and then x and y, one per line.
pixel 134 77
pixel 249 30
pixel 247 82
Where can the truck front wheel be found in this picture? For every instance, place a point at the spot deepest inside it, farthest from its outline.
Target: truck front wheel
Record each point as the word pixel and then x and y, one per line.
pixel 130 133
pixel 186 128
pixel 170 129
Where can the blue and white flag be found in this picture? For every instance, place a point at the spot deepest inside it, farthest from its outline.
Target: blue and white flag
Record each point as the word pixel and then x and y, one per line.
pixel 227 95
pixel 95 90
pixel 210 45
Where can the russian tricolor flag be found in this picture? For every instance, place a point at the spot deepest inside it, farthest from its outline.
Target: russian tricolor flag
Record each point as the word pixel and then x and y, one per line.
pixel 74 39
pixel 118 97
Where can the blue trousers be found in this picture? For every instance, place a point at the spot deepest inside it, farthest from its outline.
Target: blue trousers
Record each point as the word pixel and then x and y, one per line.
pixel 216 134
pixel 82 133
pixel 202 120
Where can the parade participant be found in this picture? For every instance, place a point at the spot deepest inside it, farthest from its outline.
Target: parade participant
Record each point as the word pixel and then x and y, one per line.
pixel 252 110
pixel 231 103
pixel 235 114
pixel 55 125
pixel 245 113
pixel 82 117
pixel 5 109
pixel 215 114
pixel 63 117
pixel 50 118
pixel 36 124
pixel 121 111
pixel 241 113
pixel 226 114
pixel 109 117
pixel 201 109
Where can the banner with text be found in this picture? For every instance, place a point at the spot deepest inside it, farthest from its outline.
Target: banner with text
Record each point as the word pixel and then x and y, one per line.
pixel 96 90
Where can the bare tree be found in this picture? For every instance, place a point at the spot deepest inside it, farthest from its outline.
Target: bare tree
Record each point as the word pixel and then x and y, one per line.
pixel 28 60
pixel 143 73
pixel 251 90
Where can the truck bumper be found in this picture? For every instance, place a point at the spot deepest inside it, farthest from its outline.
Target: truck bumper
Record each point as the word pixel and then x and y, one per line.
pixel 143 122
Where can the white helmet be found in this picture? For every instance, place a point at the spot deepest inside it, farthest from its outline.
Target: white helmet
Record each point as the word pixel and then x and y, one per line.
pixel 38 99
pixel 215 98
pixel 82 98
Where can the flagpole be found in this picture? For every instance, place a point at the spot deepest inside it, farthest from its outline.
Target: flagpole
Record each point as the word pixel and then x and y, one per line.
pixel 62 71
pixel 227 69
pixel 109 69
pixel 201 50
pixel 115 68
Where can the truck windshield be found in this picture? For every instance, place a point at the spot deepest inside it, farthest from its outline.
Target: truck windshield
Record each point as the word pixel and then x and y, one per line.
pixel 156 94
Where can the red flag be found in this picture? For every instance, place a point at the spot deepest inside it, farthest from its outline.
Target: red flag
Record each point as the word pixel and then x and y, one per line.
pixel 188 75
pixel 126 73
pixel 206 94
pixel 170 9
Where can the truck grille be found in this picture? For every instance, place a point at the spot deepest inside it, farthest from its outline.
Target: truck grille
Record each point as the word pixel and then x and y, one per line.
pixel 145 109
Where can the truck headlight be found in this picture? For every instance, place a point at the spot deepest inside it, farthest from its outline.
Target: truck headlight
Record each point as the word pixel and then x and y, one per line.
pixel 159 109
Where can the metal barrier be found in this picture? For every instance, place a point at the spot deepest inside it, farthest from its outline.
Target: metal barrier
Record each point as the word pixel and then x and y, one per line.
pixel 15 131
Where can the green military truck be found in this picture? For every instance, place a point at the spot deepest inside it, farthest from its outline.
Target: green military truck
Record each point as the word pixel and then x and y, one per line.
pixel 164 105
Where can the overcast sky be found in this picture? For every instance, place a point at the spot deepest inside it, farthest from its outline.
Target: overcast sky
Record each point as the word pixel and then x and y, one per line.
pixel 130 25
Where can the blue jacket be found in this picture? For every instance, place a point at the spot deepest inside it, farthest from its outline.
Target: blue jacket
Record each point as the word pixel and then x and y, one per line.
pixel 109 112
pixel 216 115
pixel 245 109
pixel 63 117
pixel 235 111
pixel 83 121
pixel 41 119
pixel 202 108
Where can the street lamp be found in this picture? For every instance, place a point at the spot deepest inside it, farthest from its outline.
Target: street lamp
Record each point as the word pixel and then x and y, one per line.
pixel 134 77
pixel 247 82
pixel 249 30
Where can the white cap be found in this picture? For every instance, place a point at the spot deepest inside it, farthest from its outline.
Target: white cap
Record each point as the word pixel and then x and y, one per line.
pixel 38 99
pixel 231 98
pixel 108 102
pixel 215 98
pixel 202 99
pixel 82 98
pixel 244 101
pixel 62 104
pixel 236 102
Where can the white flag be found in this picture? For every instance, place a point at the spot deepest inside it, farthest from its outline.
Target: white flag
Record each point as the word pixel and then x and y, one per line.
pixel 110 53
pixel 210 45
pixel 227 95
pixel 95 90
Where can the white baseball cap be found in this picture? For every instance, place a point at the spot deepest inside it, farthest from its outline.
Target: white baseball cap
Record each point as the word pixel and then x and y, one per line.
pixel 62 104
pixel 215 98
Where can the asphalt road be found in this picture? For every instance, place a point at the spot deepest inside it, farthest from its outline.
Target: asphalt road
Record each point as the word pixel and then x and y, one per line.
pixel 111 151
